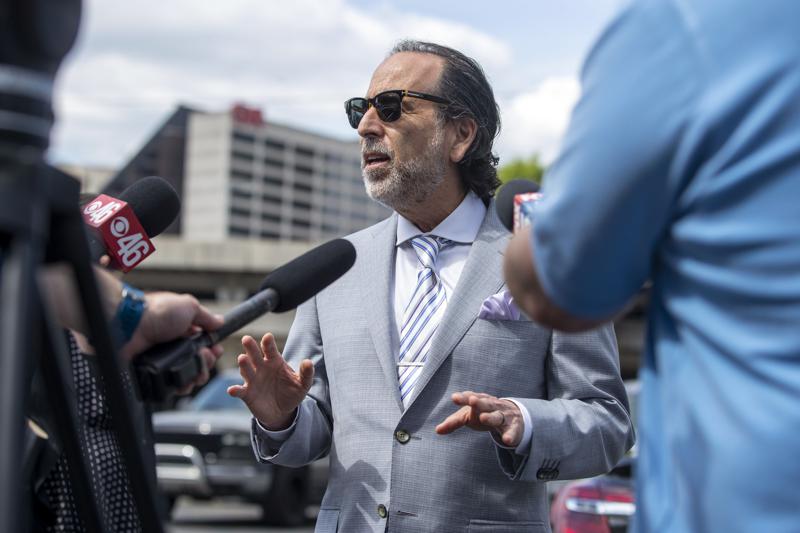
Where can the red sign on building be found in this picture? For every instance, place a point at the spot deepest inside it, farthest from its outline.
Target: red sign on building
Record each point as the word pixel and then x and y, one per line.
pixel 247 115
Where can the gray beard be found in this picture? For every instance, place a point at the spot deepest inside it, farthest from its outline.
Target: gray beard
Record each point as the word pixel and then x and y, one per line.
pixel 407 183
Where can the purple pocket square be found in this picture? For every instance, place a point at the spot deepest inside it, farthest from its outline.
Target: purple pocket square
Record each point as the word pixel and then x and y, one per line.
pixel 500 306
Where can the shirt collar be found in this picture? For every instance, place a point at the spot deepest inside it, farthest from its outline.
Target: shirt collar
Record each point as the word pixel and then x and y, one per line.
pixel 460 226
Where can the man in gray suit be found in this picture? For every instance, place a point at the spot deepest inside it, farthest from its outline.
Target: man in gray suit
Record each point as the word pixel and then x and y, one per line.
pixel 377 361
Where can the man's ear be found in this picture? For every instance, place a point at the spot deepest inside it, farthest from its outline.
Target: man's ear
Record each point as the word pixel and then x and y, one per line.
pixel 464 131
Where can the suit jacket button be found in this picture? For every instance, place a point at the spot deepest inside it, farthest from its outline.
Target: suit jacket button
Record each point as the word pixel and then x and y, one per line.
pixel 402 436
pixel 382 512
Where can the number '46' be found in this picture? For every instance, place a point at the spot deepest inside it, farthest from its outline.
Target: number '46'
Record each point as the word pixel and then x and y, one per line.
pixel 132 248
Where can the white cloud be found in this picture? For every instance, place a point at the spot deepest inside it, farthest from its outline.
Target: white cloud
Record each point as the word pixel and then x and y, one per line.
pixel 491 53
pixel 297 60
pixel 535 121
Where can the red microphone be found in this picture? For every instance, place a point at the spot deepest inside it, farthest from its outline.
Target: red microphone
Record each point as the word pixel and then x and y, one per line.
pixel 125 240
pixel 121 226
pixel 523 209
pixel 515 203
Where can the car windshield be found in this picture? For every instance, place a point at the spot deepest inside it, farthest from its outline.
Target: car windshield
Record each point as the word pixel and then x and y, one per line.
pixel 214 396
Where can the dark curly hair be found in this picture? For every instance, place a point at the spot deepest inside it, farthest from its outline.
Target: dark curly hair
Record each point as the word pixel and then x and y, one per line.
pixel 464 84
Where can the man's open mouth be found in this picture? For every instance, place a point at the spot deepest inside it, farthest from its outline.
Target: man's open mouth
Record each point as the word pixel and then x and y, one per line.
pixel 371 159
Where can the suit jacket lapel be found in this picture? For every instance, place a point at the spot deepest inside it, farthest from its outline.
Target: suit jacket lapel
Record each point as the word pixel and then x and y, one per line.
pixel 378 299
pixel 481 277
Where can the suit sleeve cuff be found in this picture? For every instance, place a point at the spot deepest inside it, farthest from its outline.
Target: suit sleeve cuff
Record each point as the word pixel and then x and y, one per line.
pixel 266 442
pixel 279 435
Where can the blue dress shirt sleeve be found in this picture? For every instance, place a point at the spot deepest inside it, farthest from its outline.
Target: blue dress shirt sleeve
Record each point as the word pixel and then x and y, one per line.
pixel 608 198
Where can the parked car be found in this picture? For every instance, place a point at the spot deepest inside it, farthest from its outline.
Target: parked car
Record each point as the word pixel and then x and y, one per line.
pixel 602 504
pixel 203 450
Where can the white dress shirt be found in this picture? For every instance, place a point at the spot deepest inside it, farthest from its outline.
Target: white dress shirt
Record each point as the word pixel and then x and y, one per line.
pixel 461 227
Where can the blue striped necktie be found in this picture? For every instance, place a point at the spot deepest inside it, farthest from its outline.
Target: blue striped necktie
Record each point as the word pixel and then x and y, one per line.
pixel 422 315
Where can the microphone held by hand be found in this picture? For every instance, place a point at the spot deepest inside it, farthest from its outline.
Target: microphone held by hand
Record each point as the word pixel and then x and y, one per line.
pixel 168 367
pixel 289 286
pixel 122 227
pixel 511 201
pixel 303 277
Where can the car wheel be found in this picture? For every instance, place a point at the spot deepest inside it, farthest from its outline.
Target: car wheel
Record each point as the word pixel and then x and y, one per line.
pixel 285 501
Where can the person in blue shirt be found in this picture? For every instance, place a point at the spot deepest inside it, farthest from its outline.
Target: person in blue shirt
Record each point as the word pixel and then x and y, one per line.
pixel 681 165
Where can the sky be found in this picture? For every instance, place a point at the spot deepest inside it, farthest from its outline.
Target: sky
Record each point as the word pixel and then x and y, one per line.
pixel 299 60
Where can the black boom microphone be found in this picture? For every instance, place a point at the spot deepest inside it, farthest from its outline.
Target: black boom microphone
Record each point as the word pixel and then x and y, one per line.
pixel 170 366
pixel 289 286
pixel 155 203
pixel 504 201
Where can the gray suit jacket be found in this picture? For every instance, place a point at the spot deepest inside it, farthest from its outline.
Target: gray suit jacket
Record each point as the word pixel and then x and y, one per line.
pixel 459 482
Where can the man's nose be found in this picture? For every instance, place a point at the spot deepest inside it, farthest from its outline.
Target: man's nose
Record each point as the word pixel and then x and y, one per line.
pixel 370 125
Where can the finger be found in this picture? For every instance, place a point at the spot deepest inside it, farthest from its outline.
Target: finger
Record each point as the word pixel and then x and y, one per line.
pixel 471 398
pixel 270 349
pixel 237 391
pixel 206 319
pixel 485 403
pixel 199 379
pixel 191 331
pixel 209 358
pixel 511 437
pixel 217 350
pixel 246 369
pixel 453 422
pixel 492 419
pixel 252 351
pixel 462 398
pixel 307 373
pixel 203 376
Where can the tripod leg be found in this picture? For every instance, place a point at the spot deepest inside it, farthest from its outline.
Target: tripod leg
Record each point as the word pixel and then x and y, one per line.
pixel 24 217
pixel 16 297
pixel 70 233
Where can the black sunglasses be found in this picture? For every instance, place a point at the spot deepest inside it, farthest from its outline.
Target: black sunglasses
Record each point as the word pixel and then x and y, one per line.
pixel 387 104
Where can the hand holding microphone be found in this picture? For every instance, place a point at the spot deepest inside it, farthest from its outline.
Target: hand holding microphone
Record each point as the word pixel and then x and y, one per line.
pixel 121 228
pixel 169 315
pixel 171 366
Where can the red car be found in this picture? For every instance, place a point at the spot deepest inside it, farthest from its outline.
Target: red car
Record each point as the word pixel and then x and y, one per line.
pixel 603 504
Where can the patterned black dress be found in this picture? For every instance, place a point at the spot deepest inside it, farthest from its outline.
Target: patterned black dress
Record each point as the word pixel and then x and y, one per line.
pixel 100 445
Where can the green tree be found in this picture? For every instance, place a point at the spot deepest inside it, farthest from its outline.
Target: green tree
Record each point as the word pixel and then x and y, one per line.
pixel 528 169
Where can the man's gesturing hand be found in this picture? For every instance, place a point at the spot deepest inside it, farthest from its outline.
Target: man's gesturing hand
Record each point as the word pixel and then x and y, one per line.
pixel 482 412
pixel 271 389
